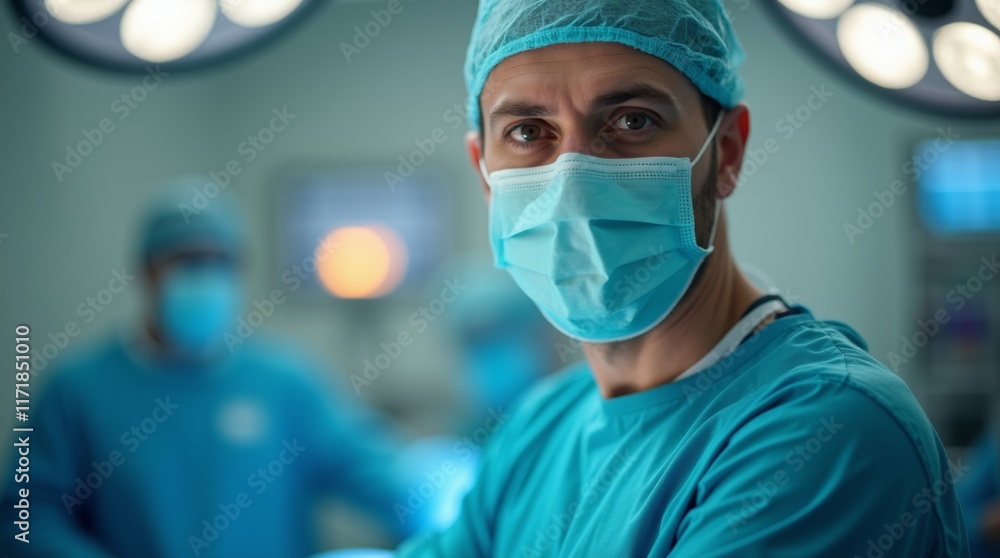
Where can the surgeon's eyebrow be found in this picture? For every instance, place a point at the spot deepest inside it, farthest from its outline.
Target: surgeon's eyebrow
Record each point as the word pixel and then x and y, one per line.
pixel 517 109
pixel 641 92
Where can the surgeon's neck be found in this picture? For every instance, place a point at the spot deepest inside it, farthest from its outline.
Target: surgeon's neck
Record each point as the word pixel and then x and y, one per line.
pixel 711 308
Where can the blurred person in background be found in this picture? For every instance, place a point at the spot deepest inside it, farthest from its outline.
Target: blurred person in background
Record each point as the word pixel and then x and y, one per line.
pixel 504 345
pixel 175 440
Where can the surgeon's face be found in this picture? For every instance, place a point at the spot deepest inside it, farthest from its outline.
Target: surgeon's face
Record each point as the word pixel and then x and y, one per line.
pixel 606 100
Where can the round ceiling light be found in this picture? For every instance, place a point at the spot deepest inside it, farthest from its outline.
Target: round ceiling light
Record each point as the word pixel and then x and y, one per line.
pixel 79 12
pixel 990 10
pixel 939 56
pixel 258 13
pixel 165 30
pixel 883 46
pixel 969 57
pixel 818 9
pixel 129 35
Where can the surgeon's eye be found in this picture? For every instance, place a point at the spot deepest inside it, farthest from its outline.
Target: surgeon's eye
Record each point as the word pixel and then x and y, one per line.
pixel 524 133
pixel 527 135
pixel 633 121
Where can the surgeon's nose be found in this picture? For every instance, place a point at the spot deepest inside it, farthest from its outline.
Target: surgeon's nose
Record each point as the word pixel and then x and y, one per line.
pixel 587 142
pixel 575 143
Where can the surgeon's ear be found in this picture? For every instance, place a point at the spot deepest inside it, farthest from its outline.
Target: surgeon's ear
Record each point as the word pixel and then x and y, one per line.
pixel 474 145
pixel 732 143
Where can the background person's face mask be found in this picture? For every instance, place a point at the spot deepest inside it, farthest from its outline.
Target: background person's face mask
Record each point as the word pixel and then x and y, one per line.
pixel 605 247
pixel 197 305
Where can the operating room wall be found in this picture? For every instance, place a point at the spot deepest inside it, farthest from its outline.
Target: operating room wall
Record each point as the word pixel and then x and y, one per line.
pixel 64 238
pixel 797 216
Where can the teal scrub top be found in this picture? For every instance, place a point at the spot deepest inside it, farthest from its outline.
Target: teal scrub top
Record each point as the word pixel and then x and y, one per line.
pixel 798 444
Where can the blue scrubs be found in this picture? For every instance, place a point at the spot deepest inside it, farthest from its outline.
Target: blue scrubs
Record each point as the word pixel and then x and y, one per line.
pixel 135 458
pixel 798 444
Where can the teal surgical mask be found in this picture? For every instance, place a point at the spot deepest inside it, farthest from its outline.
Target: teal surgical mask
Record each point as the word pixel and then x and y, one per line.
pixel 604 247
pixel 197 305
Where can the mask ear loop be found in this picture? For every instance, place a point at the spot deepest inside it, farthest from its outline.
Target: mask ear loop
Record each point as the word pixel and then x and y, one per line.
pixel 711 136
pixel 715 224
pixel 718 202
pixel 482 169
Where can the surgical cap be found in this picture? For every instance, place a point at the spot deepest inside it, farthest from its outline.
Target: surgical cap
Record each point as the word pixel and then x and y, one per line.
pixel 191 212
pixel 694 36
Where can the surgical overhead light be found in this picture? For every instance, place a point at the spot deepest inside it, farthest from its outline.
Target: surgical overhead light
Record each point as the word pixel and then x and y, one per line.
pixel 819 9
pixel 129 35
pixel 940 56
pixel 885 48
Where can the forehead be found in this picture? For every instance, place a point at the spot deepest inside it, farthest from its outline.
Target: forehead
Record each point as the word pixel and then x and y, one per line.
pixel 585 69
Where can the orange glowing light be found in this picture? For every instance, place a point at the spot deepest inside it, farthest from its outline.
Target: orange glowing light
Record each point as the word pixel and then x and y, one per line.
pixel 361 261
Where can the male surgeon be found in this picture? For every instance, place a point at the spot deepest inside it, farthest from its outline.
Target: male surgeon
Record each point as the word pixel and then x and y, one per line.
pixel 709 419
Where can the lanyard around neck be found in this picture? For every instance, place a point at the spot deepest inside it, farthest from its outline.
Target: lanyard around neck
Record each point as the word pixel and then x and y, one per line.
pixel 735 336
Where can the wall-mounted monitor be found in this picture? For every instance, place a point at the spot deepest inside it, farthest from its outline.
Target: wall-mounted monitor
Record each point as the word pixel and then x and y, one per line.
pixel 344 232
pixel 958 183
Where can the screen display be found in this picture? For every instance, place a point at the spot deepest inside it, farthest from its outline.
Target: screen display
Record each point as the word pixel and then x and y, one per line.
pixel 959 186
pixel 345 232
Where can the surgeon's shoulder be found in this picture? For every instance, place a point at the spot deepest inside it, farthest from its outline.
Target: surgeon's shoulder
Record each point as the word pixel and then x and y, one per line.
pixel 862 424
pixel 827 373
pixel 830 358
